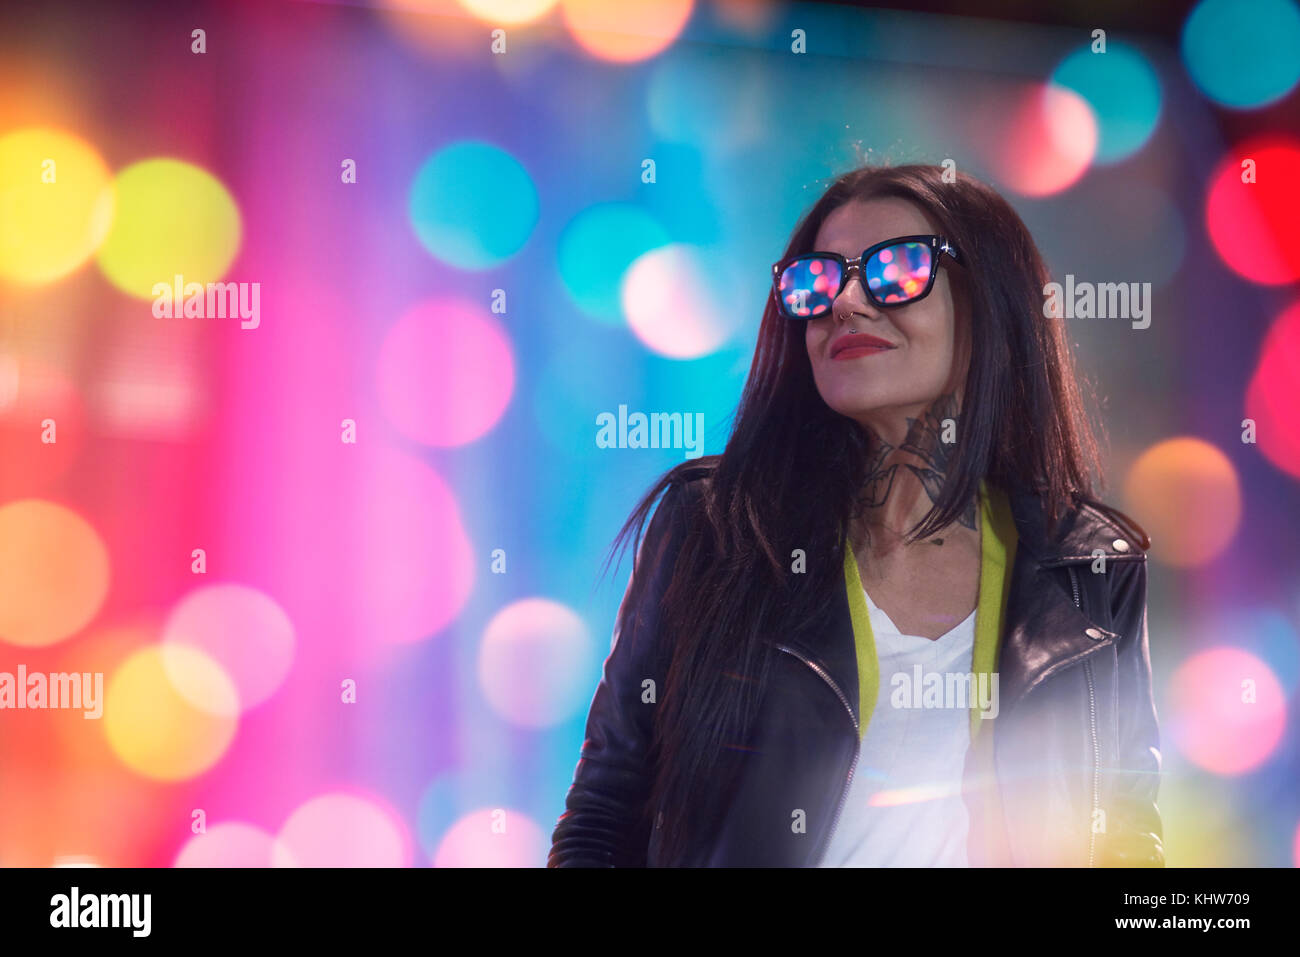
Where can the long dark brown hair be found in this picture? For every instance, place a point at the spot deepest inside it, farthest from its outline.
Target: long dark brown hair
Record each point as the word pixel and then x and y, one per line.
pixel 791 473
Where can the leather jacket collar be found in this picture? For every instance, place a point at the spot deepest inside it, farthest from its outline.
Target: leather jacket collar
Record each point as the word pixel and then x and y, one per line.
pixel 1045 629
pixel 1089 528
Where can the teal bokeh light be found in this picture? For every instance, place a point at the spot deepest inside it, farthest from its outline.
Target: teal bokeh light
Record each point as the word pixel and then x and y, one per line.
pixel 473 205
pixel 595 250
pixel 1243 53
pixel 1123 91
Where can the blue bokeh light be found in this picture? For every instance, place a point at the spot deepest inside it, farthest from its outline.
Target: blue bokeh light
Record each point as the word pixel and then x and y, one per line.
pixel 1243 53
pixel 1123 91
pixel 473 205
pixel 595 250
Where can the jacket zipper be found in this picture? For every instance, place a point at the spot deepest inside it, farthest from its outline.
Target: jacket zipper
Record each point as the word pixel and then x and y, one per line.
pixel 1092 719
pixel 857 746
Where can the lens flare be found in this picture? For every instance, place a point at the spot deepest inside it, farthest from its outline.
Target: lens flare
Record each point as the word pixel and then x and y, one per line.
pixel 1202 825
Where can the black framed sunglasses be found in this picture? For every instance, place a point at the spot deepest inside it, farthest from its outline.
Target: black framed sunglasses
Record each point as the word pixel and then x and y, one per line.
pixel 894 273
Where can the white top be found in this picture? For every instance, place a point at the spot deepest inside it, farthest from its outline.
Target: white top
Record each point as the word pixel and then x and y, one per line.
pixel 904 806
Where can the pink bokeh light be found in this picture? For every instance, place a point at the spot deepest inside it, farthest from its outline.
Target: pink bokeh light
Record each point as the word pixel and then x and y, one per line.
pixel 241 628
pixel 343 830
pixel 532 662
pixel 230 844
pixel 446 373
pixel 1211 717
pixel 493 837
pixel 668 298
pixel 415 567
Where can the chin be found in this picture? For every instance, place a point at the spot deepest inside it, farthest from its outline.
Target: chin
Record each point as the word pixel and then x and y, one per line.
pixel 856 407
pixel 854 399
pixel 862 405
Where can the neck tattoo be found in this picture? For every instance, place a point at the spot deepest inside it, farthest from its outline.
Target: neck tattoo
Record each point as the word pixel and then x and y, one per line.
pixel 931 455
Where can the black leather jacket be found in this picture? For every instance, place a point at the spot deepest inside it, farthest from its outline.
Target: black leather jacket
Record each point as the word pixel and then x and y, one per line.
pixel 1075 744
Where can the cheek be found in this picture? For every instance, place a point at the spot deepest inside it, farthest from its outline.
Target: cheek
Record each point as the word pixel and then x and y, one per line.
pixel 814 339
pixel 931 340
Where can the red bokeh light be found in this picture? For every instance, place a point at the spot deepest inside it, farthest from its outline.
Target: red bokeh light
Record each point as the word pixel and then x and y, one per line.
pixel 1252 225
pixel 1041 140
pixel 1273 396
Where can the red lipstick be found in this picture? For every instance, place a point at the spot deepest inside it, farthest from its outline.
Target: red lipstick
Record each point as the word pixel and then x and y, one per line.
pixel 858 344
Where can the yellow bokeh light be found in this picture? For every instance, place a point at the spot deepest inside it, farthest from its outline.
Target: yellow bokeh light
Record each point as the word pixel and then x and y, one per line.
pixel 56 204
pixel 1185 493
pixel 53 572
pixel 172 219
pixel 627 31
pixel 507 11
pixel 157 729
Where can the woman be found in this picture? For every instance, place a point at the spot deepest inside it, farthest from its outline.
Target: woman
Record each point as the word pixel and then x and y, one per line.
pixel 896 562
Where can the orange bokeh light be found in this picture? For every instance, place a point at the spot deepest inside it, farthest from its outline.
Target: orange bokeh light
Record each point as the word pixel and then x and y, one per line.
pixel 1187 496
pixel 627 31
pixel 53 572
pixel 170 712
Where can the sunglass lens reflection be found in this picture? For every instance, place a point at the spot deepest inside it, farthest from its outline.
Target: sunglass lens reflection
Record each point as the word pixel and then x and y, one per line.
pixel 809 286
pixel 899 273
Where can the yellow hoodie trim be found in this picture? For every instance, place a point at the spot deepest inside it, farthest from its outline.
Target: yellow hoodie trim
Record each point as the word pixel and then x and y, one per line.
pixel 997 555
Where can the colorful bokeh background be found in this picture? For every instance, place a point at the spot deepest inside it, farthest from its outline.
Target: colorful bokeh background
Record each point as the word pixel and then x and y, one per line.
pixel 444 567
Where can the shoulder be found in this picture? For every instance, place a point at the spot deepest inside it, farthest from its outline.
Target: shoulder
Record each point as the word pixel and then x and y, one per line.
pixel 1085 528
pixel 687 491
pixel 1124 542
pixel 679 499
pixel 1104 522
